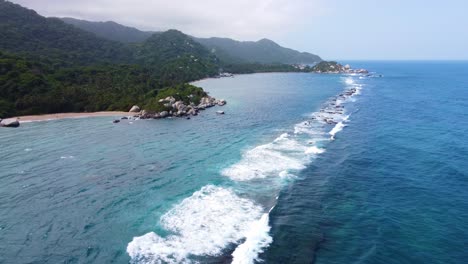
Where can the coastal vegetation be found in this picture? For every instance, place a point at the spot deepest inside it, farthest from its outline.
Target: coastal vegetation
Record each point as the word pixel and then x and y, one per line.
pixel 49 66
pixel 185 93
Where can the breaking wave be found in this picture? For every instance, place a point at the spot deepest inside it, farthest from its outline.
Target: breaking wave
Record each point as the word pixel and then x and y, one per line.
pixel 201 225
pixel 214 217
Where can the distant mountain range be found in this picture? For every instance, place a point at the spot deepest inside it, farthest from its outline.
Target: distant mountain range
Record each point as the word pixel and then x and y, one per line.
pixel 228 50
pixel 110 30
pixel 262 51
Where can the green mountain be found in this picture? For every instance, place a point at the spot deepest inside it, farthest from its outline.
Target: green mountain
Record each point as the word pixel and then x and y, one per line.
pixel 25 32
pixel 179 58
pixel 228 50
pixel 262 51
pixel 110 30
pixel 48 66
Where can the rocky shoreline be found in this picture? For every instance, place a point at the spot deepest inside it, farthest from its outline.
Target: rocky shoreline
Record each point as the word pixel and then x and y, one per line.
pixel 173 108
pixel 177 108
pixel 335 67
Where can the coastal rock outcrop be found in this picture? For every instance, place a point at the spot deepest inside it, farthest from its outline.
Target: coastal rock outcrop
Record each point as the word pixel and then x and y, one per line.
pixel 178 108
pixel 164 114
pixel 335 67
pixel 10 122
pixel 135 109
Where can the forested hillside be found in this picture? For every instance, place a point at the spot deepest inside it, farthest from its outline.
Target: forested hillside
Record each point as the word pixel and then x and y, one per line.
pixel 227 50
pixel 48 66
pixel 110 30
pixel 262 51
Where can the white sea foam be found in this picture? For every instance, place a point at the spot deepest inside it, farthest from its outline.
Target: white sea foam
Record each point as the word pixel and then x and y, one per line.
pixel 283 154
pixel 286 175
pixel 337 128
pixel 314 150
pixel 202 225
pixel 214 217
pixel 257 239
pixel 308 127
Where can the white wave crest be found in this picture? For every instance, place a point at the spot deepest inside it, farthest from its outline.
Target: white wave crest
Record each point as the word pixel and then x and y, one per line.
pixel 282 154
pixel 257 239
pixel 314 150
pixel 202 225
pixel 338 127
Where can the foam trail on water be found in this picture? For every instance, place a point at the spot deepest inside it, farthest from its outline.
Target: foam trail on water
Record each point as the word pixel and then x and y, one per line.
pixel 214 217
pixel 283 154
pixel 338 127
pixel 257 239
pixel 202 225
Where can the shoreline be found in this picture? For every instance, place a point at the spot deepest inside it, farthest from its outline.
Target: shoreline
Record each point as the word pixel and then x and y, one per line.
pixel 58 116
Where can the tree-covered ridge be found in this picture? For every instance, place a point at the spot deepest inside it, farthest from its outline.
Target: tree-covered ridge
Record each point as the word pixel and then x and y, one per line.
pixel 264 51
pixel 25 32
pixel 30 87
pixel 176 58
pixel 110 30
pixel 227 50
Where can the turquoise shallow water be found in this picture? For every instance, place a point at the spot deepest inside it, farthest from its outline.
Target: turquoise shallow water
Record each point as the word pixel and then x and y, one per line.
pixel 391 187
pixel 79 190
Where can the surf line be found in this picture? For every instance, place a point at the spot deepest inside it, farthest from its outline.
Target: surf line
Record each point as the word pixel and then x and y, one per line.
pixel 216 217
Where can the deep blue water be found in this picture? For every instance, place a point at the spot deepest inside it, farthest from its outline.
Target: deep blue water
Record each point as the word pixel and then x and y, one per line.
pixel 265 182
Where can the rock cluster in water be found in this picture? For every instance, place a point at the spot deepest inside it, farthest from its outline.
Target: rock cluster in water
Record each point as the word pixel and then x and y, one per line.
pixel 333 112
pixel 177 108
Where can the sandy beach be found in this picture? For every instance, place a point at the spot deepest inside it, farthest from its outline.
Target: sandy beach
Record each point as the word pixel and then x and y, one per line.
pixel 47 117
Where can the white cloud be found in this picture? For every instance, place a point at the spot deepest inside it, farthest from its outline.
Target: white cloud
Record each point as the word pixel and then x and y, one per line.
pixel 240 19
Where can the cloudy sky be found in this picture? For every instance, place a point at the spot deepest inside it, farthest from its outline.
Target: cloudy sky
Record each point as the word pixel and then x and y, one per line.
pixel 333 29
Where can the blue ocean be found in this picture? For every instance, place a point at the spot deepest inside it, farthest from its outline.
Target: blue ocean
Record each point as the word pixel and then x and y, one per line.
pixel 302 168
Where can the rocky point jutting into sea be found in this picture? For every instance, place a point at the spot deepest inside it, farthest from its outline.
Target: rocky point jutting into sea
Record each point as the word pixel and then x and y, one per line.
pixel 335 67
pixel 177 108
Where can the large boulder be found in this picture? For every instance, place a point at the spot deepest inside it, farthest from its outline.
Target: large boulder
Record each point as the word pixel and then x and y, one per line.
pixel 144 114
pixel 221 102
pixel 10 122
pixel 207 101
pixel 135 109
pixel 192 111
pixel 179 105
pixel 164 114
